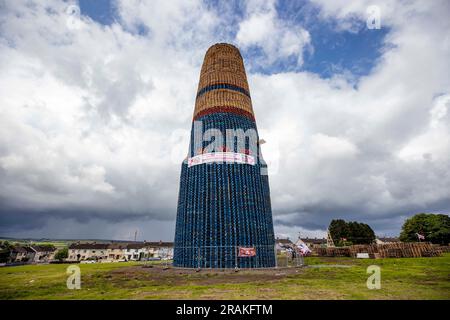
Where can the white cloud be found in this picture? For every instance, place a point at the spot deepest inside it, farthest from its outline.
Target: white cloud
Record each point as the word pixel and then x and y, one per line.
pixel 324 146
pixel 256 28
pixel 88 110
pixel 390 119
pixel 278 40
pixel 434 142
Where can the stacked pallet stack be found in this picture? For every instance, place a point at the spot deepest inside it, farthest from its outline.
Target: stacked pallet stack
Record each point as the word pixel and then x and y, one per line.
pixel 321 252
pixel 407 250
pixel 334 252
pixel 388 250
pixel 445 249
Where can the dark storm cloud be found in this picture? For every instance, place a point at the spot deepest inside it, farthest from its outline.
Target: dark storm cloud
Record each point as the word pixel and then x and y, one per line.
pixel 319 217
pixel 13 219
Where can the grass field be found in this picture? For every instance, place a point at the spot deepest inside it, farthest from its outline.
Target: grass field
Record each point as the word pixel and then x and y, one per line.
pixel 59 244
pixel 322 278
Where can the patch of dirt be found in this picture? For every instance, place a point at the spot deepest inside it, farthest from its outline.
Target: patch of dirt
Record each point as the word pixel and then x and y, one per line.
pixel 177 276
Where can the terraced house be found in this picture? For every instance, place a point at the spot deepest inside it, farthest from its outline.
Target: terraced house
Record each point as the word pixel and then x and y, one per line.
pixel 109 252
pixel 21 254
pixel 116 252
pixel 44 253
pixel 32 254
pixel 87 251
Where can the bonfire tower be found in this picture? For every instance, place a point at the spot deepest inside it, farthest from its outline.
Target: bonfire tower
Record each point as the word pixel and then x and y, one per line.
pixel 224 216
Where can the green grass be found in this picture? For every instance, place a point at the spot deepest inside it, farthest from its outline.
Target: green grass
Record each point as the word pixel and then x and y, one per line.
pixel 324 278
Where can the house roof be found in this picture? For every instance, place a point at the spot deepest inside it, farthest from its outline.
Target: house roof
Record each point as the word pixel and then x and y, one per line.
pixel 387 239
pixel 155 244
pixel 159 244
pixel 43 248
pixel 315 240
pixel 284 241
pixel 29 249
pixel 22 249
pixel 18 249
pixel 115 245
pixel 88 245
pixel 138 245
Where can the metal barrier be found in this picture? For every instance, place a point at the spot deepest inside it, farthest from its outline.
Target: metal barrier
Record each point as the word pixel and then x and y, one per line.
pixel 223 257
pixel 289 260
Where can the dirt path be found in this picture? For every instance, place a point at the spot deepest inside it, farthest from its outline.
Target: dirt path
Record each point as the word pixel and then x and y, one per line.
pixel 178 276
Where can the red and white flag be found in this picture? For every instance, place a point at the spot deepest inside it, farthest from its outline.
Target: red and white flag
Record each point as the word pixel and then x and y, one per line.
pixel 303 248
pixel 247 252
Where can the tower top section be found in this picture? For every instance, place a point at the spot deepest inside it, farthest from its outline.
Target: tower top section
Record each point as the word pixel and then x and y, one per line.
pixel 223 47
pixel 223 85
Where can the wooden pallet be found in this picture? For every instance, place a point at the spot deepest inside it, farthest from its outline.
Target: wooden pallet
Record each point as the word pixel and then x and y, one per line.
pixel 388 250
pixel 334 252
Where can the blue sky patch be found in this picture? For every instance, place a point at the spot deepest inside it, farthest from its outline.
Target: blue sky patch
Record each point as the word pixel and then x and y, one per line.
pixel 101 11
pixel 334 51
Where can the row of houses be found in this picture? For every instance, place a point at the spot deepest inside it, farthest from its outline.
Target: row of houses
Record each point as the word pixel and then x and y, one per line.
pixel 135 251
pixel 32 254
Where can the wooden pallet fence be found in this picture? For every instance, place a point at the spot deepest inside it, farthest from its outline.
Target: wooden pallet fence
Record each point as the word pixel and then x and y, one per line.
pixel 388 250
pixel 333 252
pixel 443 249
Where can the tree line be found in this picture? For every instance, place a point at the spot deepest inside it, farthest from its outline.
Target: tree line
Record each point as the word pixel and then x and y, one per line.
pixel 434 228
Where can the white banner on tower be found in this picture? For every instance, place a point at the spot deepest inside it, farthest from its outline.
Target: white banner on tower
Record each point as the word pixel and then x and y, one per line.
pixel 221 157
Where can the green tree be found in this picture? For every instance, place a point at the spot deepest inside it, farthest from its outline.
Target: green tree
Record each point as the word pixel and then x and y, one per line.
pixel 347 233
pixel 435 228
pixel 361 233
pixel 62 254
pixel 5 251
pixel 46 245
pixel 339 230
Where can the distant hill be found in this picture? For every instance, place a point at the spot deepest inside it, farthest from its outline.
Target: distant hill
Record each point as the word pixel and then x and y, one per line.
pixel 58 243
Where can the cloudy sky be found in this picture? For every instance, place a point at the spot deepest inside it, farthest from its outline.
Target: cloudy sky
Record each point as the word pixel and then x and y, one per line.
pixel 96 102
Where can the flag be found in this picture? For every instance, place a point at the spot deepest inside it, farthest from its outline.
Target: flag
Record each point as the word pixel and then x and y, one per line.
pixel 247 252
pixel 421 237
pixel 304 250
